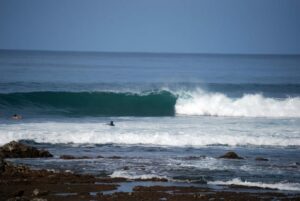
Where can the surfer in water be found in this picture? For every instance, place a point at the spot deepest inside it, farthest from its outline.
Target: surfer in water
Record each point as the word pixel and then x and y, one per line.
pixel 111 123
pixel 16 117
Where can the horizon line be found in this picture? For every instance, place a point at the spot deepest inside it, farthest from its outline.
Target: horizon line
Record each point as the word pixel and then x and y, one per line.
pixel 151 53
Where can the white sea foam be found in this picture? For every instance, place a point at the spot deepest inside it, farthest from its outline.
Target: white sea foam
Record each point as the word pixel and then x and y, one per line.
pixel 133 175
pixel 279 186
pixel 199 102
pixel 179 131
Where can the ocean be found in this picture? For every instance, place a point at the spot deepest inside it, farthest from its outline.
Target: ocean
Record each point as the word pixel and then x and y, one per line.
pixel 174 114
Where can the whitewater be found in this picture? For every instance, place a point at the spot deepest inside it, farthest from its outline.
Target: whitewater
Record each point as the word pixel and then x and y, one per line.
pixel 161 131
pixel 200 102
pixel 280 186
pixel 163 117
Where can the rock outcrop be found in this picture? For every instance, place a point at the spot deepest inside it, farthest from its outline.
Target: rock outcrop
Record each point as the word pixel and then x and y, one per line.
pixel 261 159
pixel 2 165
pixel 231 155
pixel 71 157
pixel 38 192
pixel 18 150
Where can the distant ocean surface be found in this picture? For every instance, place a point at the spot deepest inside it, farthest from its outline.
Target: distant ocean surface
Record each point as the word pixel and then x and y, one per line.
pixel 186 109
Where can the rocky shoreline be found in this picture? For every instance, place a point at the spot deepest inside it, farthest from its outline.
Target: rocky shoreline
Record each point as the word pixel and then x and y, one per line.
pixel 19 182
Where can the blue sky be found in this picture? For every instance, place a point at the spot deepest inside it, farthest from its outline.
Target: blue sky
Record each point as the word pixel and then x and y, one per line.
pixel 181 26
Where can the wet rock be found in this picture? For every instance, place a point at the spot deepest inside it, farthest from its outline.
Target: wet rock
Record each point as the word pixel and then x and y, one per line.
pixel 18 150
pixel 155 179
pixel 37 192
pixel 194 157
pixel 67 157
pixel 70 157
pixel 18 199
pixel 231 155
pixel 19 193
pixel 114 157
pixel 2 165
pixel 261 159
pixel 38 199
pixel 14 170
pixel 78 187
pixel 84 157
pixel 199 195
pixel 21 169
pixel 1 154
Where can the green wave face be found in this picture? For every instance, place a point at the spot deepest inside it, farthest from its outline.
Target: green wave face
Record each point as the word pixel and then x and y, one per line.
pixel 161 103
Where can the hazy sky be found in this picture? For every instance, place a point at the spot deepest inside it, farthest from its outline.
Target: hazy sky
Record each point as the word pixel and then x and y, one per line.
pixel 210 26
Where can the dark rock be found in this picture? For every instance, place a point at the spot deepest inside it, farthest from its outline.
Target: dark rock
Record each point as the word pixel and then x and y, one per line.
pixel 1 154
pixel 194 157
pixel 2 165
pixel 15 169
pixel 261 159
pixel 18 150
pixel 231 155
pixel 70 157
pixel 154 179
pixel 67 157
pixel 37 192
pixel 19 193
pixel 84 157
pixel 18 199
pixel 38 199
pixel 114 157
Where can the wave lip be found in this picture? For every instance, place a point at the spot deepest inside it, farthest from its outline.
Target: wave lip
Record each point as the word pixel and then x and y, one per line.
pixel 249 105
pixel 278 186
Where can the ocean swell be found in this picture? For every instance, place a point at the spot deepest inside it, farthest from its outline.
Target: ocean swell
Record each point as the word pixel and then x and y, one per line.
pixel 152 103
pixel 160 103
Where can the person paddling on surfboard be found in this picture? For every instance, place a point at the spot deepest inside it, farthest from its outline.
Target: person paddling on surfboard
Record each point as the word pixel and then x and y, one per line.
pixel 16 117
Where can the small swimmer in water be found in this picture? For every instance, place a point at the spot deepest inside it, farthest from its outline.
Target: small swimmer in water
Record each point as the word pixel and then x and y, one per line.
pixel 16 117
pixel 111 123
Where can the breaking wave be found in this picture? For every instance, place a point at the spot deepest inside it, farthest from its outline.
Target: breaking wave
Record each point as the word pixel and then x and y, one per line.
pixel 279 186
pixel 134 175
pixel 249 105
pixel 159 103
pixel 152 103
